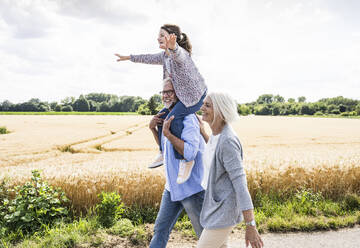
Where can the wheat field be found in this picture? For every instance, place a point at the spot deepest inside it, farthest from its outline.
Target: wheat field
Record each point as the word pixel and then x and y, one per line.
pixel 85 155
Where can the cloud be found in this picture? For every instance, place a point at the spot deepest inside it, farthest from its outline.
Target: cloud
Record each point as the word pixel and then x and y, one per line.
pixel 53 49
pixel 25 19
pixel 110 12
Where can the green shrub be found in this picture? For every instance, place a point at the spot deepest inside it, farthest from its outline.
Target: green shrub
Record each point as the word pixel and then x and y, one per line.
pixel 36 204
pixel 139 236
pixel 140 214
pixel 122 228
pixel 109 209
pixel 3 130
pixel 352 202
pixel 319 113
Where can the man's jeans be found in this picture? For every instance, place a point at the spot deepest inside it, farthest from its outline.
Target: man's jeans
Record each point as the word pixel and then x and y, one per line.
pixel 169 213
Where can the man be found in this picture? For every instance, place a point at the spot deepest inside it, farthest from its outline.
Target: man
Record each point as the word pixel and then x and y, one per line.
pixel 176 197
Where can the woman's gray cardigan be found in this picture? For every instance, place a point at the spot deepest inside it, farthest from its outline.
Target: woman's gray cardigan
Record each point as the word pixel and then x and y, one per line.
pixel 227 194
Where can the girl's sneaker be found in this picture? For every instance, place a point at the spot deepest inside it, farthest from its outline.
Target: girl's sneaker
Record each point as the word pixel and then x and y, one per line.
pixel 185 169
pixel 159 161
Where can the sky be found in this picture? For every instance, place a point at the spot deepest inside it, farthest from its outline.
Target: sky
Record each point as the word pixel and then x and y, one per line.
pixel 52 49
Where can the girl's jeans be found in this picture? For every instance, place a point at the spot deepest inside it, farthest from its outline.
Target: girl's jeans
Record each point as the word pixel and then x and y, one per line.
pixel 177 126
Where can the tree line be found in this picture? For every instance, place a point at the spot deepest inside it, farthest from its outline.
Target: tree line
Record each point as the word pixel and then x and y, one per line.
pixel 93 102
pixel 266 104
pixel 269 104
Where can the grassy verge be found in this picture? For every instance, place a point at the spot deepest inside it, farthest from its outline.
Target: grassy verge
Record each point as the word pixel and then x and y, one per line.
pixel 84 232
pixel 293 200
pixel 323 116
pixel 68 113
pixel 304 211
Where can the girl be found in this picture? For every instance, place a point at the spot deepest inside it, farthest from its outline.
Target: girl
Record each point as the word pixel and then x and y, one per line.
pixel 188 84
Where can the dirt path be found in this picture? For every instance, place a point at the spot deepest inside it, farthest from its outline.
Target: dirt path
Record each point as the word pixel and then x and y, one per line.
pixel 344 238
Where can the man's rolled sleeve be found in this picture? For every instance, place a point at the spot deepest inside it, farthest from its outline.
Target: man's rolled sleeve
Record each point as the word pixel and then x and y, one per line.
pixel 191 137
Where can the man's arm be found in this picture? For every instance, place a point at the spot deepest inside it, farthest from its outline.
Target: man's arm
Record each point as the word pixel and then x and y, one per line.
pixel 188 146
pixel 177 143
pixel 155 121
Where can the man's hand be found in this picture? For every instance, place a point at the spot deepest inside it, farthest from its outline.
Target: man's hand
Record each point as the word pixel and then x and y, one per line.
pixel 166 127
pixel 156 121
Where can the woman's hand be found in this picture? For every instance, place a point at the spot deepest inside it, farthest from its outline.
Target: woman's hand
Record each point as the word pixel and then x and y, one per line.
pixel 166 127
pixel 252 237
pixel 170 41
pixel 121 57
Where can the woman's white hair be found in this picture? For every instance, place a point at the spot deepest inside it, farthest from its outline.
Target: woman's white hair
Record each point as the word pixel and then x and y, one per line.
pixel 224 106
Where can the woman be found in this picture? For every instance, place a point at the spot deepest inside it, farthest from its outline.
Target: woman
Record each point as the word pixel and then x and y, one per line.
pixel 227 200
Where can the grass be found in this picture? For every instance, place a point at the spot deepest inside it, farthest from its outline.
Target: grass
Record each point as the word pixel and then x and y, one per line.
pixel 323 116
pixel 68 113
pixel 305 211
pixel 84 232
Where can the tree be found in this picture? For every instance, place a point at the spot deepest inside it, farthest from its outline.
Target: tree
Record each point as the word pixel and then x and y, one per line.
pixel 275 110
pixel 67 108
pixel 101 97
pixel 43 107
pixel 342 108
pixel 53 105
pixel 262 110
pixel 144 109
pixel 93 105
pixel 81 104
pixel 357 109
pixel 265 98
pixel 307 109
pixel 302 99
pixel 68 100
pixel 104 107
pixel 57 108
pixel 291 100
pixel 152 105
pixel 279 98
pixel 243 109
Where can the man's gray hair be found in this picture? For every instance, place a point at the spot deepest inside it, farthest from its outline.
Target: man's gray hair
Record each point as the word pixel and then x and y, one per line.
pixel 224 106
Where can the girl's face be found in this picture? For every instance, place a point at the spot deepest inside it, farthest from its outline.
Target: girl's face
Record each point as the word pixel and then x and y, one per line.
pixel 207 110
pixel 161 38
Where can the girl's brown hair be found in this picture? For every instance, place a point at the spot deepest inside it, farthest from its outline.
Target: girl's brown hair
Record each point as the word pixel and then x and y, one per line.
pixel 181 38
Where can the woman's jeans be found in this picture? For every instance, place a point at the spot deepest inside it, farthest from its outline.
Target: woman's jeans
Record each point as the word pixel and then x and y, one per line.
pixel 177 126
pixel 169 213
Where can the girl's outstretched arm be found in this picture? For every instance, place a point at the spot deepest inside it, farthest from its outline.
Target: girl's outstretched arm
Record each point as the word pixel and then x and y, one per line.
pixel 121 57
pixel 155 59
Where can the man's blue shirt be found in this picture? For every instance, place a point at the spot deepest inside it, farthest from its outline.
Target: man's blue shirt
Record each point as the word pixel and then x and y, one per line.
pixel 194 145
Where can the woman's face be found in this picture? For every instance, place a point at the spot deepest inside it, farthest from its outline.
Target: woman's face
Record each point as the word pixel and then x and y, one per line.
pixel 207 110
pixel 161 38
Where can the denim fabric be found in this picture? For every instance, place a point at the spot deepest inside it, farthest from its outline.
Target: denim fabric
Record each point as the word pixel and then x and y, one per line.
pixel 169 213
pixel 177 126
